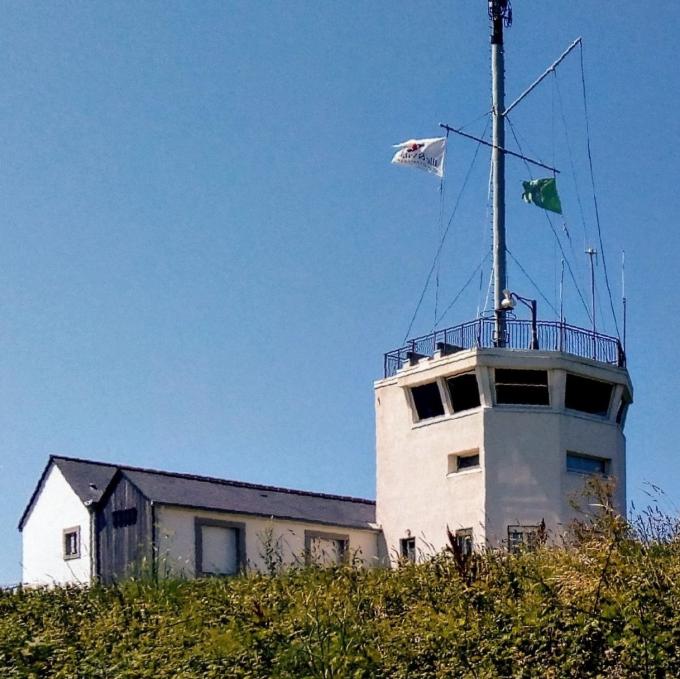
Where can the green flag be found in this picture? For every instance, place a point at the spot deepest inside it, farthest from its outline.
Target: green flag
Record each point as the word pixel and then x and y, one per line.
pixel 542 193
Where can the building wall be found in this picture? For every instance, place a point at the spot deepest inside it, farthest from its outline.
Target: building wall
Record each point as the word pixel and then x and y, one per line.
pixel 56 508
pixel 124 532
pixel 416 494
pixel 175 530
pixel 523 475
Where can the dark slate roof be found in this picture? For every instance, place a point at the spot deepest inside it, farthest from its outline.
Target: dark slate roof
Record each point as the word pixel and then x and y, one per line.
pixel 188 490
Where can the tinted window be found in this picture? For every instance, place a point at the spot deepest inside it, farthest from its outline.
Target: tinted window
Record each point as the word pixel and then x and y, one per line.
pixel 588 396
pixel 464 392
pixel 522 387
pixel 427 400
pixel 468 461
pixel 585 464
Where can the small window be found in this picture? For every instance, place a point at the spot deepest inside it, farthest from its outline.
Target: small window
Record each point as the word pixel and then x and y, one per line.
pixel 464 541
pixel 523 537
pixel 464 392
pixel 124 517
pixel 588 396
pixel 71 543
pixel 522 387
pixel 407 549
pixel 460 462
pixel 586 464
pixel 427 400
pixel 326 549
pixel 220 547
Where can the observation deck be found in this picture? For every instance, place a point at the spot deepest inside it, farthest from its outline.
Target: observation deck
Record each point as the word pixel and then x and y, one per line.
pixel 480 334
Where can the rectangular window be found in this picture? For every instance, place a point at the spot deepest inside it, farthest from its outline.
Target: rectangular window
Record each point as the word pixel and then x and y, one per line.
pixel 464 392
pixel 459 462
pixel 464 541
pixel 124 517
pixel 586 464
pixel 325 549
pixel 220 547
pixel 71 543
pixel 522 537
pixel 407 549
pixel 522 387
pixel 427 400
pixel 588 396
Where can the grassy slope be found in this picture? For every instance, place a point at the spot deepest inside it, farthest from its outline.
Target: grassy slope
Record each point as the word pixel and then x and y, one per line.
pixel 606 605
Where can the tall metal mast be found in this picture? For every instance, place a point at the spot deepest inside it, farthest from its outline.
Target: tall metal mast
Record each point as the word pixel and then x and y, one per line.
pixel 500 13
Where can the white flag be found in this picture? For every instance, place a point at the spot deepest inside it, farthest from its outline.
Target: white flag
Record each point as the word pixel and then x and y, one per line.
pixel 426 154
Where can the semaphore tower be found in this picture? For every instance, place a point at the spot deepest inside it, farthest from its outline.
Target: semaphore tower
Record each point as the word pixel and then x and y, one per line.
pixel 491 427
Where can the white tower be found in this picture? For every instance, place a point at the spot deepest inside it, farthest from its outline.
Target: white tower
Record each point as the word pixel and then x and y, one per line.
pixel 492 427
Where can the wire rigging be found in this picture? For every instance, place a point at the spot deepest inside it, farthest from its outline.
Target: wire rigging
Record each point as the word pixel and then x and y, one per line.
pixel 446 231
pixel 465 285
pixel 554 230
pixel 592 183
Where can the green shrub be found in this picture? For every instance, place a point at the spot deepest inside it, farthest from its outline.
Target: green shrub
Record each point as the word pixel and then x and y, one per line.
pixel 604 604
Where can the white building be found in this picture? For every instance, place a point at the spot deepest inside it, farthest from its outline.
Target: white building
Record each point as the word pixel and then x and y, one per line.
pixel 494 443
pixel 488 442
pixel 90 520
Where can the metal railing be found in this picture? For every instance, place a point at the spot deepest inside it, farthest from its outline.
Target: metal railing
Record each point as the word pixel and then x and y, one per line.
pixel 552 336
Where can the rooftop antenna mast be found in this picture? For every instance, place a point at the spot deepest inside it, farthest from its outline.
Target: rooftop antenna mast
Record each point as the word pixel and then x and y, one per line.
pixel 500 13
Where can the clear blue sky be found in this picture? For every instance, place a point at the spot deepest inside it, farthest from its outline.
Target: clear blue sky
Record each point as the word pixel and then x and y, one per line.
pixel 204 251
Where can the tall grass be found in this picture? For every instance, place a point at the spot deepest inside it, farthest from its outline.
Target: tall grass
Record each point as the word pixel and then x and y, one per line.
pixel 606 603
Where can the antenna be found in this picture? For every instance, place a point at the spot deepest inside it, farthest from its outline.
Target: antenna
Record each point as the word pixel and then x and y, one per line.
pixel 592 253
pixel 500 13
pixel 623 294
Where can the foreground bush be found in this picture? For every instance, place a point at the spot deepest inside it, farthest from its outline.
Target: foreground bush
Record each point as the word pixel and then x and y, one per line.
pixel 605 605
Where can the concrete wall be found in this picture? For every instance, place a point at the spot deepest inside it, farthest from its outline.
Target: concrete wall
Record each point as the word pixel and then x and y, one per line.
pixel 56 508
pixel 523 475
pixel 175 533
pixel 416 494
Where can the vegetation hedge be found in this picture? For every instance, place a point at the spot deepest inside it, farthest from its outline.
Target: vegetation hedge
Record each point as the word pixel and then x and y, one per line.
pixel 604 604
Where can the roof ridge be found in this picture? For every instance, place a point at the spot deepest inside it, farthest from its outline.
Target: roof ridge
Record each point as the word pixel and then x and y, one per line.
pixel 214 479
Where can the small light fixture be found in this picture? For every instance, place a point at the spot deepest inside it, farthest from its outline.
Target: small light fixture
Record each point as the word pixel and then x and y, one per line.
pixel 507 302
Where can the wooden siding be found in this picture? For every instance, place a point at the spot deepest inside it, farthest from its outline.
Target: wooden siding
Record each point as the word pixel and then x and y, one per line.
pixel 124 533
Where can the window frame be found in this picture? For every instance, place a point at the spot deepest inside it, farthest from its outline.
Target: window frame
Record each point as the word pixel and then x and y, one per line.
pixel 453 462
pixel 601 414
pixel 532 385
pixel 325 535
pixel 239 526
pixel 465 540
pixel 605 463
pixel 73 530
pixel 442 400
pixel 450 391
pixel 529 540
pixel 405 553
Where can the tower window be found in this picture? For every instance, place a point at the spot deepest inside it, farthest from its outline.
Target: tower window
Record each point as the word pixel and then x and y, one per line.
pixel 460 462
pixel 523 537
pixel 464 541
pixel 427 400
pixel 586 464
pixel 588 396
pixel 522 387
pixel 464 392
pixel 407 549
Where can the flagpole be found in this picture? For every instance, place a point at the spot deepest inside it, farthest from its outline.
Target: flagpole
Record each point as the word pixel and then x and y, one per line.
pixel 499 13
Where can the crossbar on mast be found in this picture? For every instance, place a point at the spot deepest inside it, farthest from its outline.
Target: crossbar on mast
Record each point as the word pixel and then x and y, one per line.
pixel 448 128
pixel 547 72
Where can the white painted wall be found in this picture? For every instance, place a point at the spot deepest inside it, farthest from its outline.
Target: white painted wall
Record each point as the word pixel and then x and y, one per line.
pixel 57 507
pixel 523 477
pixel 175 532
